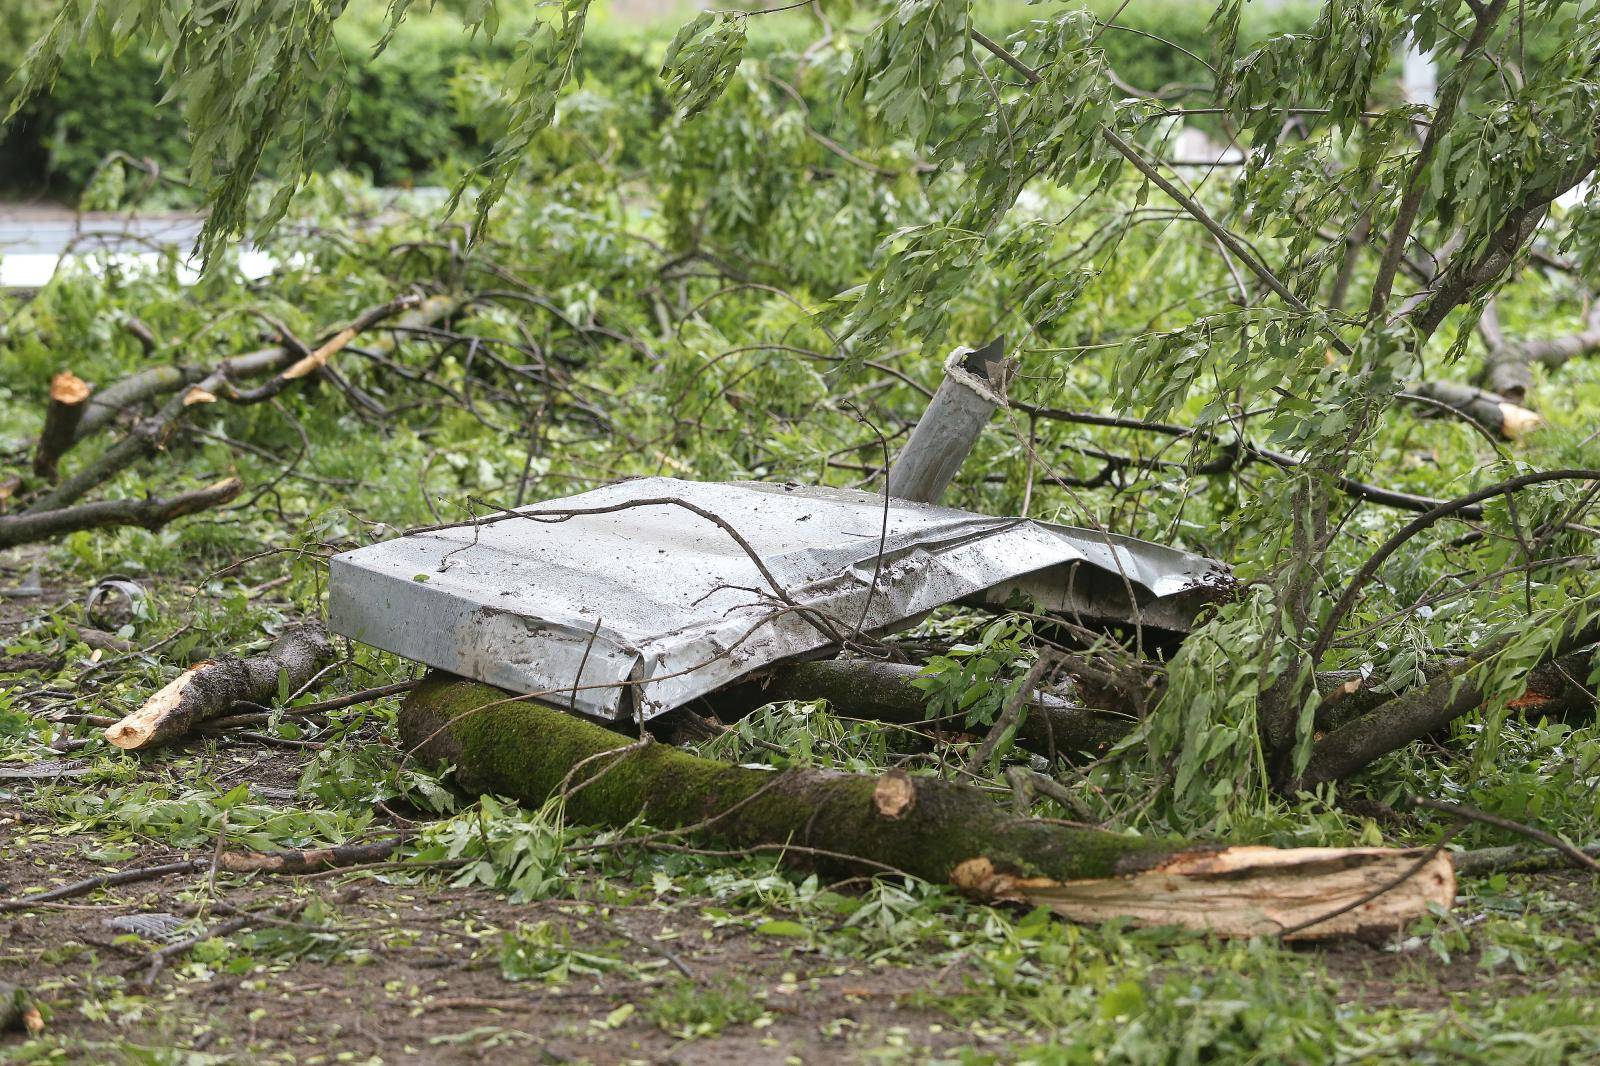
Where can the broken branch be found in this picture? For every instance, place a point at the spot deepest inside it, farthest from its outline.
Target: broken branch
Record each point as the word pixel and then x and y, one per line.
pixel 151 513
pixel 209 689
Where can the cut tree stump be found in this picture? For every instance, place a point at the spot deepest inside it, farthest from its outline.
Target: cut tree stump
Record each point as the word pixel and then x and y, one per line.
pixel 210 688
pixel 69 399
pixel 937 830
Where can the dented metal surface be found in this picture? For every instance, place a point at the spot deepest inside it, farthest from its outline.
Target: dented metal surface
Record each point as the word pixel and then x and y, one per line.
pixel 649 605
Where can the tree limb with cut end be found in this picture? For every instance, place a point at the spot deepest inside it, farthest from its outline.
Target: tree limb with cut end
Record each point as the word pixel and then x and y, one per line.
pixel 106 405
pixel 1492 411
pixel 150 513
pixel 208 690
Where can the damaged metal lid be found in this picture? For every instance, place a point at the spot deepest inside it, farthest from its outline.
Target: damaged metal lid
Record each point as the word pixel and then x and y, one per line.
pixel 636 598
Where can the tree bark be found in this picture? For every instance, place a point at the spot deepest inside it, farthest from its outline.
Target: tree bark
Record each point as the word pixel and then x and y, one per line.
pixel 938 830
pixel 211 688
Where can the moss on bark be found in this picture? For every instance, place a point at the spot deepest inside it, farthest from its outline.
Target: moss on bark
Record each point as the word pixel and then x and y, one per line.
pixel 519 748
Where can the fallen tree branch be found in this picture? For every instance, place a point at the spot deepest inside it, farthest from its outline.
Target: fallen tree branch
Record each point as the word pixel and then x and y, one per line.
pixel 233 721
pixel 1507 368
pixel 111 880
pixel 885 692
pixel 303 861
pixel 1472 814
pixel 940 830
pixel 306 860
pixel 152 513
pixel 209 689
pixel 1415 714
pixel 1514 858
pixel 1494 413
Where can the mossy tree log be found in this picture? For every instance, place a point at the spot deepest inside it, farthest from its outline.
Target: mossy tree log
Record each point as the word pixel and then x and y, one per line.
pixel 938 830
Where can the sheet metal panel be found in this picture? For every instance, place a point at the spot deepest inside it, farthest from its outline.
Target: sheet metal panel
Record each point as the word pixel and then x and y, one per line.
pixel 644 608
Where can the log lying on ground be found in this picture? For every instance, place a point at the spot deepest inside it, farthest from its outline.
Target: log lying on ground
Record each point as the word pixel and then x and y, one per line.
pixel 884 692
pixel 69 399
pixel 209 689
pixel 938 830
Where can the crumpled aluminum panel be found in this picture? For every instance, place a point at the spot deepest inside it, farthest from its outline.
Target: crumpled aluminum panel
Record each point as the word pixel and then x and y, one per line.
pixel 646 607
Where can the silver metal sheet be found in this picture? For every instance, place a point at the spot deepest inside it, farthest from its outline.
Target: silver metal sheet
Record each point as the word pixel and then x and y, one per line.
pixel 645 607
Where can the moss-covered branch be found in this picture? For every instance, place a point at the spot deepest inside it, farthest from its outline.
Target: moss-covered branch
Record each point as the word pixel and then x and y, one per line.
pixel 938 830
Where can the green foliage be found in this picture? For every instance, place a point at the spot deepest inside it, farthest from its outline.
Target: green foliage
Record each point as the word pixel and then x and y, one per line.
pixel 973 681
pixel 702 58
pixel 542 951
pixel 911 65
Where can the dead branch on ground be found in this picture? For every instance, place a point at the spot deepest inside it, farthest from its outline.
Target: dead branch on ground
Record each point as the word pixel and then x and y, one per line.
pixel 208 690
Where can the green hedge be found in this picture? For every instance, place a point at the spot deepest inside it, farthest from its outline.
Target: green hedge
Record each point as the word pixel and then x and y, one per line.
pixel 405 117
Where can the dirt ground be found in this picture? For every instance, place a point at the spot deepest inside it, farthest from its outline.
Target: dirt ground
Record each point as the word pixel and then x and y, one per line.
pixel 401 973
pixel 418 982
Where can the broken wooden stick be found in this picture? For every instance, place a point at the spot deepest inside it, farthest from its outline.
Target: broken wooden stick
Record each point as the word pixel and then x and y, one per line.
pixel 939 830
pixel 69 399
pixel 209 689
